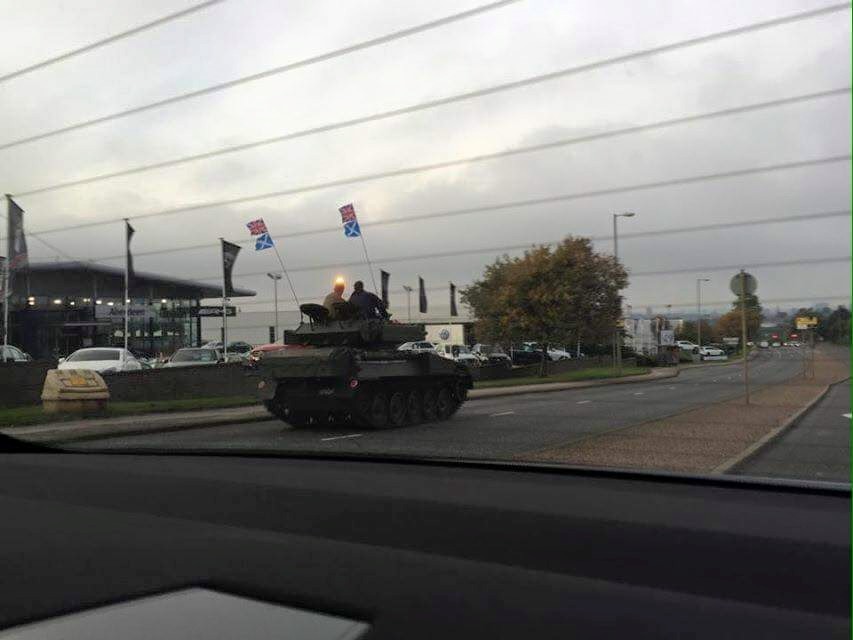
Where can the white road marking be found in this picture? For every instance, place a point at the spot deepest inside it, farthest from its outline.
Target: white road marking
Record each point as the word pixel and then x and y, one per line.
pixel 672 388
pixel 847 415
pixel 584 401
pixel 352 435
pixel 639 393
pixel 502 413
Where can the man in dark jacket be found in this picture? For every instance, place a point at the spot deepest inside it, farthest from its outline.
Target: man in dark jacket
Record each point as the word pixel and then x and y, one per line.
pixel 369 303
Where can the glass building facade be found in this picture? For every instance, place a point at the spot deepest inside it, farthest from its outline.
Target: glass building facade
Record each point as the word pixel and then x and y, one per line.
pixel 57 308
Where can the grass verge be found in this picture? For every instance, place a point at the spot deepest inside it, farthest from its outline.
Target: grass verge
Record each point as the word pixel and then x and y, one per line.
pixel 595 373
pixel 22 416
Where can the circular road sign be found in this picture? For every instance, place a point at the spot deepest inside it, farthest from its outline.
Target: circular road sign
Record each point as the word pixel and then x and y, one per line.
pixel 750 284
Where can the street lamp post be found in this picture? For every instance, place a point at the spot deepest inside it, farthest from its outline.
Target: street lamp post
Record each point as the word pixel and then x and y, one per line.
pixel 699 282
pixel 408 291
pixel 275 277
pixel 617 350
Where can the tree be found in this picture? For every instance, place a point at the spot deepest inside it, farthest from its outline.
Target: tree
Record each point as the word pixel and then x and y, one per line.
pixel 836 326
pixel 729 324
pixel 549 295
pixel 687 331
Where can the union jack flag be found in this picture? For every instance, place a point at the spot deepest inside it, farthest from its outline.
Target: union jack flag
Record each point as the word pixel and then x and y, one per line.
pixel 257 227
pixel 347 213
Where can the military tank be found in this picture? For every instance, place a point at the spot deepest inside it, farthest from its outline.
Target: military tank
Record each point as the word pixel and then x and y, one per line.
pixel 347 370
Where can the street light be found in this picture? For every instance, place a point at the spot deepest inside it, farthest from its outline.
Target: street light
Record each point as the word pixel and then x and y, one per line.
pixel 617 350
pixel 275 278
pixel 408 291
pixel 699 282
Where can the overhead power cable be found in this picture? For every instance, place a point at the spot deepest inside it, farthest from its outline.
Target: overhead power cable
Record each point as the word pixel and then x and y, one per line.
pixel 451 163
pixel 635 305
pixel 421 107
pixel 497 250
pixel 109 40
pixel 337 53
pixel 627 235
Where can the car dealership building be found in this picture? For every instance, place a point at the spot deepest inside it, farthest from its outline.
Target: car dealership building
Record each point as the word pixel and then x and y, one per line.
pixel 58 307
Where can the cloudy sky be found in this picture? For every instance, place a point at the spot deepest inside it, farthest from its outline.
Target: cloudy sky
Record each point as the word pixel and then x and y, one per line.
pixel 527 38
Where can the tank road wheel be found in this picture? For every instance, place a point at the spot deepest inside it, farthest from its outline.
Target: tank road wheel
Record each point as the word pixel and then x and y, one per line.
pixel 460 391
pixel 378 412
pixel 446 404
pixel 414 407
pixel 275 408
pixel 397 409
pixel 298 419
pixel 429 406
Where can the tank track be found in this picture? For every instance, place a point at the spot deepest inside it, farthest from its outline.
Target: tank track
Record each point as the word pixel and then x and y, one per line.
pixel 383 405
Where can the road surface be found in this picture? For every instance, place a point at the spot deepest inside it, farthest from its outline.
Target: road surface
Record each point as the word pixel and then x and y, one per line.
pixel 817 447
pixel 494 428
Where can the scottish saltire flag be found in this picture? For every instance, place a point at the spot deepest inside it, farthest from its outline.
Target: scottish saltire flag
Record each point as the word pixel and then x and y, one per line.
pixel 257 227
pixel 348 217
pixel 264 241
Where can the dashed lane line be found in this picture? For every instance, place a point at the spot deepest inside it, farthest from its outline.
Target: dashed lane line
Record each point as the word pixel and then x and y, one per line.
pixel 351 435
pixel 502 413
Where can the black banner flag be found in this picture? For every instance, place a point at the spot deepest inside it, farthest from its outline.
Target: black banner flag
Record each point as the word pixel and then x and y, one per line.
pixel 17 247
pixel 229 257
pixel 385 278
pixel 128 235
pixel 422 300
pixel 453 311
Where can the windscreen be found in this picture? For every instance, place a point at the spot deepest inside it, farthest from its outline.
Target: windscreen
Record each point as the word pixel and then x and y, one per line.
pixel 644 205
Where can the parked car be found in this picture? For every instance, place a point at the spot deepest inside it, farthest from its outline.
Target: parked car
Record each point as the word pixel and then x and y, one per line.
pixel 712 353
pixel 686 345
pixel 238 346
pixel 763 344
pixel 418 346
pixel 459 353
pixel 101 359
pixel 776 344
pixel 194 356
pixel 492 355
pixel 13 354
pixel 260 351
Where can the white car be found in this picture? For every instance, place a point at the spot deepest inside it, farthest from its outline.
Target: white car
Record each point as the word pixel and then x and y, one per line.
pixel 13 354
pixel 763 344
pixel 777 344
pixel 712 353
pixel 191 357
pixel 417 347
pixel 459 353
pixel 553 354
pixel 686 345
pixel 101 359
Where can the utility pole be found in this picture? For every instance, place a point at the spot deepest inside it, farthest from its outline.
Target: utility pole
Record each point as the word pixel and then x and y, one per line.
pixel 699 282
pixel 275 277
pixel 617 348
pixel 743 333
pixel 408 291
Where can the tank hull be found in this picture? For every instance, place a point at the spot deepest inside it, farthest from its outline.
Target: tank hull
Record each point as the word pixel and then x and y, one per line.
pixel 371 388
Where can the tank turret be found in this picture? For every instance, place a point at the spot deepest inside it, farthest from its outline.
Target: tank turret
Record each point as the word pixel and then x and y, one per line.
pixel 347 328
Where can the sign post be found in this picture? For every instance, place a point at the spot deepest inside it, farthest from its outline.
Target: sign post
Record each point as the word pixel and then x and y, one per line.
pixel 741 284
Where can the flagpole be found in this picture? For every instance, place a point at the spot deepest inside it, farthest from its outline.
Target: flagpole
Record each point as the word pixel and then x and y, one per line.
pixel 367 259
pixel 286 274
pixel 6 276
pixel 126 282
pixel 224 306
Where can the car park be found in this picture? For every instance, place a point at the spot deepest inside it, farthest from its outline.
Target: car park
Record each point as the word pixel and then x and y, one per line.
pixel 101 359
pixel 194 356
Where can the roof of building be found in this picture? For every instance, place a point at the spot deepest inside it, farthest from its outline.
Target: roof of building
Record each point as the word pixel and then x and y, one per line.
pixel 75 278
